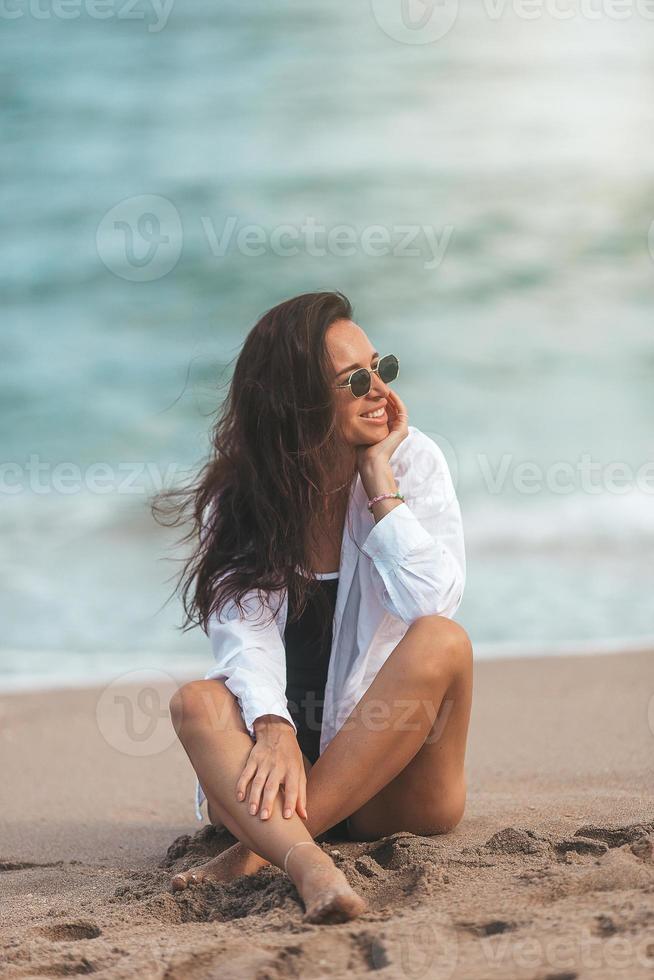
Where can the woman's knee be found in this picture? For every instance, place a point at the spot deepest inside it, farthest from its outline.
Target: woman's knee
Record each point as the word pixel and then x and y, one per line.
pixel 442 815
pixel 197 701
pixel 429 815
pixel 444 645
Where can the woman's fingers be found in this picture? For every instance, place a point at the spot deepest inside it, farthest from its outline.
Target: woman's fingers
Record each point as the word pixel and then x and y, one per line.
pixel 398 404
pixel 392 400
pixel 256 789
pixel 291 788
pixel 270 790
pixel 302 796
pixel 399 408
pixel 295 793
pixel 244 778
pixel 267 779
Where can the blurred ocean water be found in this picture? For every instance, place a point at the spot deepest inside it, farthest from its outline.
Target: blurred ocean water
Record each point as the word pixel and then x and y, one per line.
pixel 496 193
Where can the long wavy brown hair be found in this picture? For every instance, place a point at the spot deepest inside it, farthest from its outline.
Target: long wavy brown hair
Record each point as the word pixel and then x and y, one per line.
pixel 257 503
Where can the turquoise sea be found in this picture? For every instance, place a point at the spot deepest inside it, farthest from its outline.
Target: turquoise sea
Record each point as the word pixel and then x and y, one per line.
pixel 484 199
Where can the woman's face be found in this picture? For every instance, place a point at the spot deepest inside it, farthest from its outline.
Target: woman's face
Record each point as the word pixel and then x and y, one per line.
pixel 349 349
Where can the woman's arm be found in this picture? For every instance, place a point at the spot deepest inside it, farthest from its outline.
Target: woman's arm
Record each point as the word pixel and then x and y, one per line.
pixel 416 547
pixel 251 659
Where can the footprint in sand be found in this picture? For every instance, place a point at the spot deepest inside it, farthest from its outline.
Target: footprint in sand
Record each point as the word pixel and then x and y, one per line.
pixel 64 932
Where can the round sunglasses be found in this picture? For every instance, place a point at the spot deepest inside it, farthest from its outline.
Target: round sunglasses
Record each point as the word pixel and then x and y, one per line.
pixel 387 367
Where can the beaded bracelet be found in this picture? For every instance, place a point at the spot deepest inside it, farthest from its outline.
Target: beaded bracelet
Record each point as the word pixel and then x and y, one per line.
pixel 383 496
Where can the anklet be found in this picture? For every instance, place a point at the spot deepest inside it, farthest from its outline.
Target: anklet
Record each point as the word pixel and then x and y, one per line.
pixel 291 848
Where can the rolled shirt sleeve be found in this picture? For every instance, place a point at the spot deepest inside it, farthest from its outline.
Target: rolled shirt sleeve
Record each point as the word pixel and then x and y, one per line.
pixel 249 652
pixel 250 658
pixel 417 550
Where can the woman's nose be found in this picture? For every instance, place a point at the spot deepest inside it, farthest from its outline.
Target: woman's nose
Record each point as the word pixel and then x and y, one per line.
pixel 377 386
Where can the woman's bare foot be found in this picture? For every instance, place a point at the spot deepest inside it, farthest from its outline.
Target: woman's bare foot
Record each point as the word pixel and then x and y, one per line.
pixel 324 889
pixel 236 860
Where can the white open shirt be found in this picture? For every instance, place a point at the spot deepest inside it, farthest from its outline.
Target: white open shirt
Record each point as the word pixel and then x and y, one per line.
pixel 411 564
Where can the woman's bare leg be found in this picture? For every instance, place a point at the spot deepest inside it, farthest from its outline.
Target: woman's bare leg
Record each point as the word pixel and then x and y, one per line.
pixel 398 761
pixel 424 689
pixel 211 729
pixel 428 794
pixel 230 863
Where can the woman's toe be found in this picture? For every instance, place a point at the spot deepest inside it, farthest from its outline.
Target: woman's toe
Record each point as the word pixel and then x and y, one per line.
pixel 184 879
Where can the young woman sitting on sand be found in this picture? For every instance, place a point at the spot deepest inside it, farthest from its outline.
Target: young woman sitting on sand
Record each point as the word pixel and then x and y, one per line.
pixel 343 516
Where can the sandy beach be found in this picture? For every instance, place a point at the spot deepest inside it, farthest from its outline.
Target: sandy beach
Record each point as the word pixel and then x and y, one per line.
pixel 550 875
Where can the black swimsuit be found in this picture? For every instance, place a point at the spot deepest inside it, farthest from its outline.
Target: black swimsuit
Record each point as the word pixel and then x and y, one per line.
pixel 307 662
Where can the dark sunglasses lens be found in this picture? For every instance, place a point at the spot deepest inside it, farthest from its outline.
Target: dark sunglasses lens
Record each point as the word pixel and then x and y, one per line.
pixel 389 367
pixel 360 382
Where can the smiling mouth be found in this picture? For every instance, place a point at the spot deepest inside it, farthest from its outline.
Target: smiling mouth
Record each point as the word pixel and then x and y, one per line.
pixel 378 416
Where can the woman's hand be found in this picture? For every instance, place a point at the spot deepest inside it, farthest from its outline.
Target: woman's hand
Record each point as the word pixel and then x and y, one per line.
pixel 275 759
pixel 398 430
